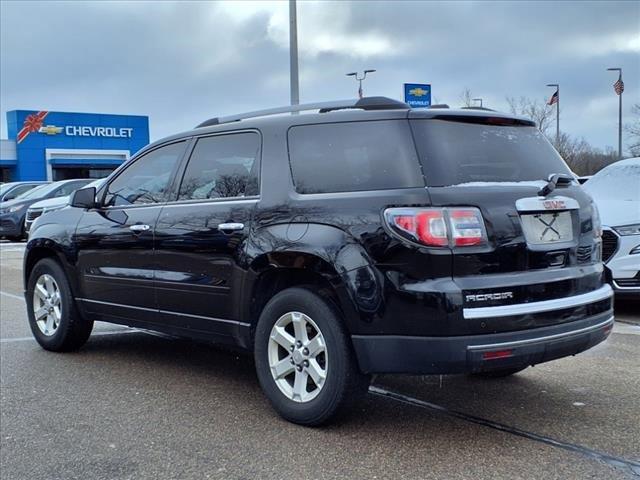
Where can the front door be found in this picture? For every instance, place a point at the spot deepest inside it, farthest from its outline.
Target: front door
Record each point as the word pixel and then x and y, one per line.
pixel 115 241
pixel 201 238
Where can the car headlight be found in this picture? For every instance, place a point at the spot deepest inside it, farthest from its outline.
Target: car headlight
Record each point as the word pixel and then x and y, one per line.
pixel 17 208
pixel 625 230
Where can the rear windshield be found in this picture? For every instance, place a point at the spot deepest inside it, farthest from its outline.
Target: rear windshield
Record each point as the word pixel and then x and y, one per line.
pixel 454 153
pixel 353 156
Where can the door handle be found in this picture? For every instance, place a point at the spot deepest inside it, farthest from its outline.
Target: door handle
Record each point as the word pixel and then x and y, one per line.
pixel 230 227
pixel 139 228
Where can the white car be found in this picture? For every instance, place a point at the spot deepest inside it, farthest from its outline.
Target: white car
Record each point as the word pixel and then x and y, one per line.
pixel 616 191
pixel 49 205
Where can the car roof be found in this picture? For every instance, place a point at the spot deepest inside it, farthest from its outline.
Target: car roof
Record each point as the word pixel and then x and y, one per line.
pixel 284 121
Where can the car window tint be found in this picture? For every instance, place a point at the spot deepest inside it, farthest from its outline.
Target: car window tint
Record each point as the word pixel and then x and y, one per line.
pixel 458 152
pixel 222 166
pixel 147 179
pixel 69 188
pixel 354 156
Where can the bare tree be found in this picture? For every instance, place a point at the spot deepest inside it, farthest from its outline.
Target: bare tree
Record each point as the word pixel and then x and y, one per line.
pixel 633 131
pixel 466 97
pixel 582 158
pixel 539 112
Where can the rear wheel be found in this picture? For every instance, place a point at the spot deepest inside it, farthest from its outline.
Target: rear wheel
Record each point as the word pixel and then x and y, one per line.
pixel 54 319
pixel 498 373
pixel 304 360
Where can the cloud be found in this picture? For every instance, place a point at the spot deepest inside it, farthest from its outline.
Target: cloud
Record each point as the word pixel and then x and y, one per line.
pixel 181 62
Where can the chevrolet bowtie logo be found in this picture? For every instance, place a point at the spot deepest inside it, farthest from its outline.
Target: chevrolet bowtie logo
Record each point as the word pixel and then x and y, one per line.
pixel 50 130
pixel 418 92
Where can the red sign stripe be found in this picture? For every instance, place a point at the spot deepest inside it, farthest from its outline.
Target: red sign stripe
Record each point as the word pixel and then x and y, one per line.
pixel 32 123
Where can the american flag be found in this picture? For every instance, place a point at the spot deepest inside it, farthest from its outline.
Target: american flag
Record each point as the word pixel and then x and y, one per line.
pixel 554 98
pixel 619 86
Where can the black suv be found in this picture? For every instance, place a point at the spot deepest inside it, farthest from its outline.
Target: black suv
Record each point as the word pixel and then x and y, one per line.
pixel 363 238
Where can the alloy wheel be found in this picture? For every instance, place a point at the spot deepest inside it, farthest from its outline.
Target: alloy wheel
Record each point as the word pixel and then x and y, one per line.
pixel 298 358
pixel 47 304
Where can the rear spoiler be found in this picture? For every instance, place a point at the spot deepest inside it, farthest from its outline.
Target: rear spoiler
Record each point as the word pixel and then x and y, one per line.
pixel 487 120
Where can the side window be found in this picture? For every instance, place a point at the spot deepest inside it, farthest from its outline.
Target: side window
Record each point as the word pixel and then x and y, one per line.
pixel 147 179
pixel 354 156
pixel 18 191
pixel 222 166
pixel 69 188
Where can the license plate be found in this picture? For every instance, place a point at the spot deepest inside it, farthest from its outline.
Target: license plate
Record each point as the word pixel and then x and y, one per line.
pixel 544 228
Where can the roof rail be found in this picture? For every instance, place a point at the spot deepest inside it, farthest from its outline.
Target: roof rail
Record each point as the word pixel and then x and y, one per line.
pixel 439 105
pixel 367 103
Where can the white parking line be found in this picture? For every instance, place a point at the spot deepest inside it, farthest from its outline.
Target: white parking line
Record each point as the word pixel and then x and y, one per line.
pixel 12 295
pixel 110 332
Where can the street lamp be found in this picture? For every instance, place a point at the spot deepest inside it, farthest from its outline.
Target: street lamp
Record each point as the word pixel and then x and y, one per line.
pixel 360 79
pixel 619 88
pixel 557 102
pixel 478 100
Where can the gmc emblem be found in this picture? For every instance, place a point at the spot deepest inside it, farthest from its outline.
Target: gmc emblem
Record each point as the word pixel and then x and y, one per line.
pixel 554 205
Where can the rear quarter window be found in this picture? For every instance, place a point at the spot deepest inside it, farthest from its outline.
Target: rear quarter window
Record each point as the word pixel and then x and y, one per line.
pixel 353 156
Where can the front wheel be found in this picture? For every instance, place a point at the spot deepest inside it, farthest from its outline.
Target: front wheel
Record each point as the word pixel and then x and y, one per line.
pixel 304 359
pixel 54 319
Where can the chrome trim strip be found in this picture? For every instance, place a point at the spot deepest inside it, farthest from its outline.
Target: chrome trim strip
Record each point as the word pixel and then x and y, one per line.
pixel 543 339
pixel 536 307
pixel 619 287
pixel 155 310
pixel 544 204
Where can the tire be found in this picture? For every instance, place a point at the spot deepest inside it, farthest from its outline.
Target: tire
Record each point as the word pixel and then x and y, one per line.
pixel 64 328
pixel 343 383
pixel 498 373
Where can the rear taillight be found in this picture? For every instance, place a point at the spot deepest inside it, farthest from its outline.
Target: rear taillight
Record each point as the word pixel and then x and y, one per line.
pixel 438 227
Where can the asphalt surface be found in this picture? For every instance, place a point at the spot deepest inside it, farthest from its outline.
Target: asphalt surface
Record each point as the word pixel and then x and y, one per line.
pixel 131 405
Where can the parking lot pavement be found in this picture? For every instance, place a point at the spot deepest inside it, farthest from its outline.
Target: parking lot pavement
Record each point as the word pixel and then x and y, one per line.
pixel 134 405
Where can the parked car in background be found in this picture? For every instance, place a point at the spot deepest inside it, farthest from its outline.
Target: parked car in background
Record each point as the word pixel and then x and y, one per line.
pixel 38 209
pixel 13 212
pixel 616 191
pixel 366 238
pixel 11 190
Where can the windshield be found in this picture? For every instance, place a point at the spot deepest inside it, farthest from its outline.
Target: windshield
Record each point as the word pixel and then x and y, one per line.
pixel 4 188
pixel 616 182
pixel 457 152
pixel 38 192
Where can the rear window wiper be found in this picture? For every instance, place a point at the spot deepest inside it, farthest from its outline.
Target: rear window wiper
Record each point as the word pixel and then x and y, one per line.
pixel 555 180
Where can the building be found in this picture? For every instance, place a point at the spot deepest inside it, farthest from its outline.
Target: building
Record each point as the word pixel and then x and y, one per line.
pixel 45 145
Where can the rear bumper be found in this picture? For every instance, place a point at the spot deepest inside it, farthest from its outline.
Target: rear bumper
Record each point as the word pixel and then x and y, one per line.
pixel 473 353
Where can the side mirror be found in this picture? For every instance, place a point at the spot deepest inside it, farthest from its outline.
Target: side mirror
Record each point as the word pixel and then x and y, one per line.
pixel 84 198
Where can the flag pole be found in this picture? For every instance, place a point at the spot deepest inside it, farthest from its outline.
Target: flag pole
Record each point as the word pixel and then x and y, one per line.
pixel 558 118
pixel 620 120
pixel 557 95
pixel 293 53
pixel 619 86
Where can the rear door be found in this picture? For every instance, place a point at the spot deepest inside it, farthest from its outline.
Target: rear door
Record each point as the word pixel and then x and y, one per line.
pixel 201 237
pixel 115 242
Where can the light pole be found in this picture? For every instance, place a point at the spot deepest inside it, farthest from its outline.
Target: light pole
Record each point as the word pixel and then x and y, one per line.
pixel 293 53
pixel 360 79
pixel 478 100
pixel 619 88
pixel 555 98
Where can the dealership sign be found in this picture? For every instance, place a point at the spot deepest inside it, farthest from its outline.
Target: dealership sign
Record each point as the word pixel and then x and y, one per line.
pixel 34 123
pixel 417 95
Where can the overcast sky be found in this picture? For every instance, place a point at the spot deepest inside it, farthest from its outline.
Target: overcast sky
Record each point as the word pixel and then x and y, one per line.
pixel 184 62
